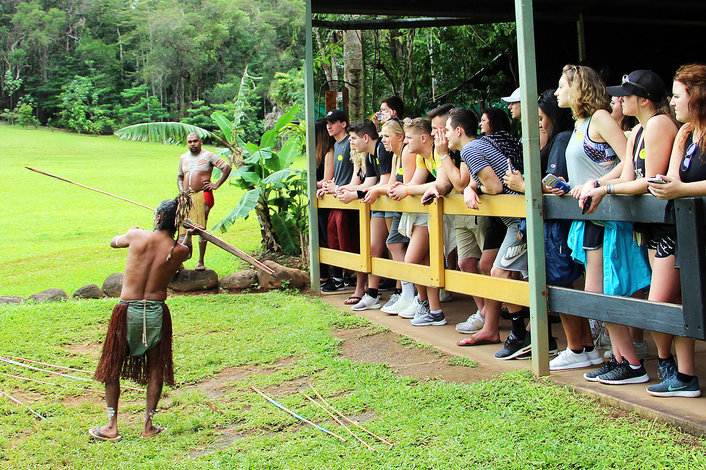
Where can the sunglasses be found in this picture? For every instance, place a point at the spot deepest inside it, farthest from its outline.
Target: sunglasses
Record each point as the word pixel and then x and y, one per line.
pixel 687 157
pixel 626 81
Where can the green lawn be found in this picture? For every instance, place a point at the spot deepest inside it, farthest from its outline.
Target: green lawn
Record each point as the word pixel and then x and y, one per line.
pixel 279 342
pixel 57 235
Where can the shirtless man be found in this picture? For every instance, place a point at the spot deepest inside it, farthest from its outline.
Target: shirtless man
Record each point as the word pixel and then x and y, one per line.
pixel 195 169
pixel 138 344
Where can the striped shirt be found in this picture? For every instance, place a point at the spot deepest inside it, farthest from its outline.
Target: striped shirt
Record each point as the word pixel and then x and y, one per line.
pixel 493 151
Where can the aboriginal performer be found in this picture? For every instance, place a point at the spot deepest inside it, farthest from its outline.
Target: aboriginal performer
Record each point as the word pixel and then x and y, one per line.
pixel 138 344
pixel 195 169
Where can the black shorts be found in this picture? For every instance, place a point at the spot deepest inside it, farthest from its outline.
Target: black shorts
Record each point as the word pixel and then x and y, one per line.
pixel 495 235
pixel 593 236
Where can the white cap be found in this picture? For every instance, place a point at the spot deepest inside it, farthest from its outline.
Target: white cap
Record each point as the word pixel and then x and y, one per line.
pixel 514 98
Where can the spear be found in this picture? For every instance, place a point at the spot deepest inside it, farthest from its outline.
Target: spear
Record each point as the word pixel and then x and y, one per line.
pixel 22 404
pixel 206 235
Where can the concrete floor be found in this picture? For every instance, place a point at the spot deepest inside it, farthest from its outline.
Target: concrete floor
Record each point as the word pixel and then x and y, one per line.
pixel 686 413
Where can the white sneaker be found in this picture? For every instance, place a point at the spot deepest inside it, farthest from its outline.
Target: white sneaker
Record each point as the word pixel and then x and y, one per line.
pixel 393 299
pixel 444 296
pixel 412 310
pixel 567 359
pixel 398 306
pixel 367 302
pixel 474 323
pixel 594 356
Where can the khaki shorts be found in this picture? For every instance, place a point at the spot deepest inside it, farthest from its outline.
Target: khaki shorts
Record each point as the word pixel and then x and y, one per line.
pixel 470 235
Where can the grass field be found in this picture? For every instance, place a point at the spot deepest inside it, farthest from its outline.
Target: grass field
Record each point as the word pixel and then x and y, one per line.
pixel 278 342
pixel 57 235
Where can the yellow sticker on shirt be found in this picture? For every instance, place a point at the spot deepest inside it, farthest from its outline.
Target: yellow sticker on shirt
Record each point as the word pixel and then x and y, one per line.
pixel 579 136
pixel 340 158
pixel 399 171
pixel 642 154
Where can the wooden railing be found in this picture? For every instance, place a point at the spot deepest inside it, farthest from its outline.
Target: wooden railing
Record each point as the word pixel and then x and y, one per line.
pixel 687 320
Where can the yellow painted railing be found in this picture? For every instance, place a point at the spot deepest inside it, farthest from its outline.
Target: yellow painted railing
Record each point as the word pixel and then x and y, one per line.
pixel 435 275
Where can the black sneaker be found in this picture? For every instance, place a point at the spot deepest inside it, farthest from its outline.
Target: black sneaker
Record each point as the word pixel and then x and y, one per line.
pixel 607 367
pixel 553 349
pixel 349 280
pixel 624 374
pixel 387 284
pixel 514 347
pixel 332 285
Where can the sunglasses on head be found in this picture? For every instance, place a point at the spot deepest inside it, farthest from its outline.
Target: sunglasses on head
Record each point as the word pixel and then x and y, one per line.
pixel 626 81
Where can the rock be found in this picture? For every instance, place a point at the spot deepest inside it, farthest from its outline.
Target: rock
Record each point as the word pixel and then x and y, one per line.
pixel 11 299
pixel 91 291
pixel 238 281
pixel 113 284
pixel 49 295
pixel 190 280
pixel 290 277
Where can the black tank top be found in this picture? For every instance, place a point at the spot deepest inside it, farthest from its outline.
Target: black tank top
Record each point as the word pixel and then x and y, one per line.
pixel 638 155
pixel 693 163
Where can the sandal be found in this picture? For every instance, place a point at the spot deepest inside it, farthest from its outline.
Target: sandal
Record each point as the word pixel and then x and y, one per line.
pixel 96 434
pixel 352 300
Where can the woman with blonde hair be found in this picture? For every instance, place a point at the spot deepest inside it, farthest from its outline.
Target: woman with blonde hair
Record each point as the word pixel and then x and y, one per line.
pixel 686 177
pixel 593 156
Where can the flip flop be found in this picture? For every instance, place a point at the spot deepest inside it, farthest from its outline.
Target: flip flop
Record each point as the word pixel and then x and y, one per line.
pixel 352 300
pixel 159 430
pixel 200 267
pixel 472 341
pixel 96 434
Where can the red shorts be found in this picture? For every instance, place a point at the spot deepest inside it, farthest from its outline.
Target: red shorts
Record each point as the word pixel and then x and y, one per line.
pixel 208 198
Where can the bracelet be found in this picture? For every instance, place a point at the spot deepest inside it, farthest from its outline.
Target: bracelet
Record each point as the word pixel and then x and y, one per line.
pixel 609 189
pixel 443 156
pixel 406 190
pixel 480 188
pixel 596 183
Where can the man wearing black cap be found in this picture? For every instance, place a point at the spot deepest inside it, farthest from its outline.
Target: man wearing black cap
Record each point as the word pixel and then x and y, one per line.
pixel 339 220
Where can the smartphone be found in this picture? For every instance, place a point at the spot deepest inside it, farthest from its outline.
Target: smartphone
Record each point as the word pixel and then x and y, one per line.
pixel 586 204
pixel 427 201
pixel 656 179
pixel 361 194
pixel 552 181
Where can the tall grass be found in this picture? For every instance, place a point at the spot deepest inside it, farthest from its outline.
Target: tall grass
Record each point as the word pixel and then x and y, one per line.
pixel 57 235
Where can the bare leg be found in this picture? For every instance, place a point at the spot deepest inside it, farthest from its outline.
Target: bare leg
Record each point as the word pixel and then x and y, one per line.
pixel 665 288
pixel 154 391
pixel 378 235
pixel 112 395
pixel 417 252
pixel 202 243
pixel 685 354
pixel 470 265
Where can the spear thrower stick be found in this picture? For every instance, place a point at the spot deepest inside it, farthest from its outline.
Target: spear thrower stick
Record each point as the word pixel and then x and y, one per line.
pixel 206 235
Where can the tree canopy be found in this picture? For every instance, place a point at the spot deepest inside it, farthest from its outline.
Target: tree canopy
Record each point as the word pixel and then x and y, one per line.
pixel 128 61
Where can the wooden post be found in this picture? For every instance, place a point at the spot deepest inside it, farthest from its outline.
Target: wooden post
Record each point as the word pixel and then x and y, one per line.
pixel 436 243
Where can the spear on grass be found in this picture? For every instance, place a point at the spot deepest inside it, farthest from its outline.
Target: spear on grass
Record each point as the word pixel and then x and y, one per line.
pixel 337 420
pixel 347 418
pixel 22 404
pixel 27 379
pixel 15 363
pixel 300 418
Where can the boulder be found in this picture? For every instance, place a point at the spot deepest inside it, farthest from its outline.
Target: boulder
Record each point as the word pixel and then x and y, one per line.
pixel 239 281
pixel 113 284
pixel 190 280
pixel 49 295
pixel 91 291
pixel 290 277
pixel 11 299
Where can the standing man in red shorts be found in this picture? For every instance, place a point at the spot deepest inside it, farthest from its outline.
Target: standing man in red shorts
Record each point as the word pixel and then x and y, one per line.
pixel 195 169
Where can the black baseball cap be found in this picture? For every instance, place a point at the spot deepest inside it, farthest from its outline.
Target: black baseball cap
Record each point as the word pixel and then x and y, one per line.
pixel 643 83
pixel 336 115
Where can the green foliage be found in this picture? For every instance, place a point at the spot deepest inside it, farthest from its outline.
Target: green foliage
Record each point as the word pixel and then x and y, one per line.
pixel 80 109
pixel 23 114
pixel 139 106
pixel 276 191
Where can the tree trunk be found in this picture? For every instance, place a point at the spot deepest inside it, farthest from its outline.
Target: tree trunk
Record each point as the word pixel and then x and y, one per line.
pixel 327 68
pixel 262 209
pixel 353 73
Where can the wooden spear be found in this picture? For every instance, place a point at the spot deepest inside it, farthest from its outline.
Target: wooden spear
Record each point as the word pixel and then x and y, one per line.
pixel 206 235
pixel 27 379
pixel 22 404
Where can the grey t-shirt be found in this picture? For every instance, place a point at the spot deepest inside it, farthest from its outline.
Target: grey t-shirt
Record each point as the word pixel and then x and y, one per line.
pixel 585 159
pixel 342 164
